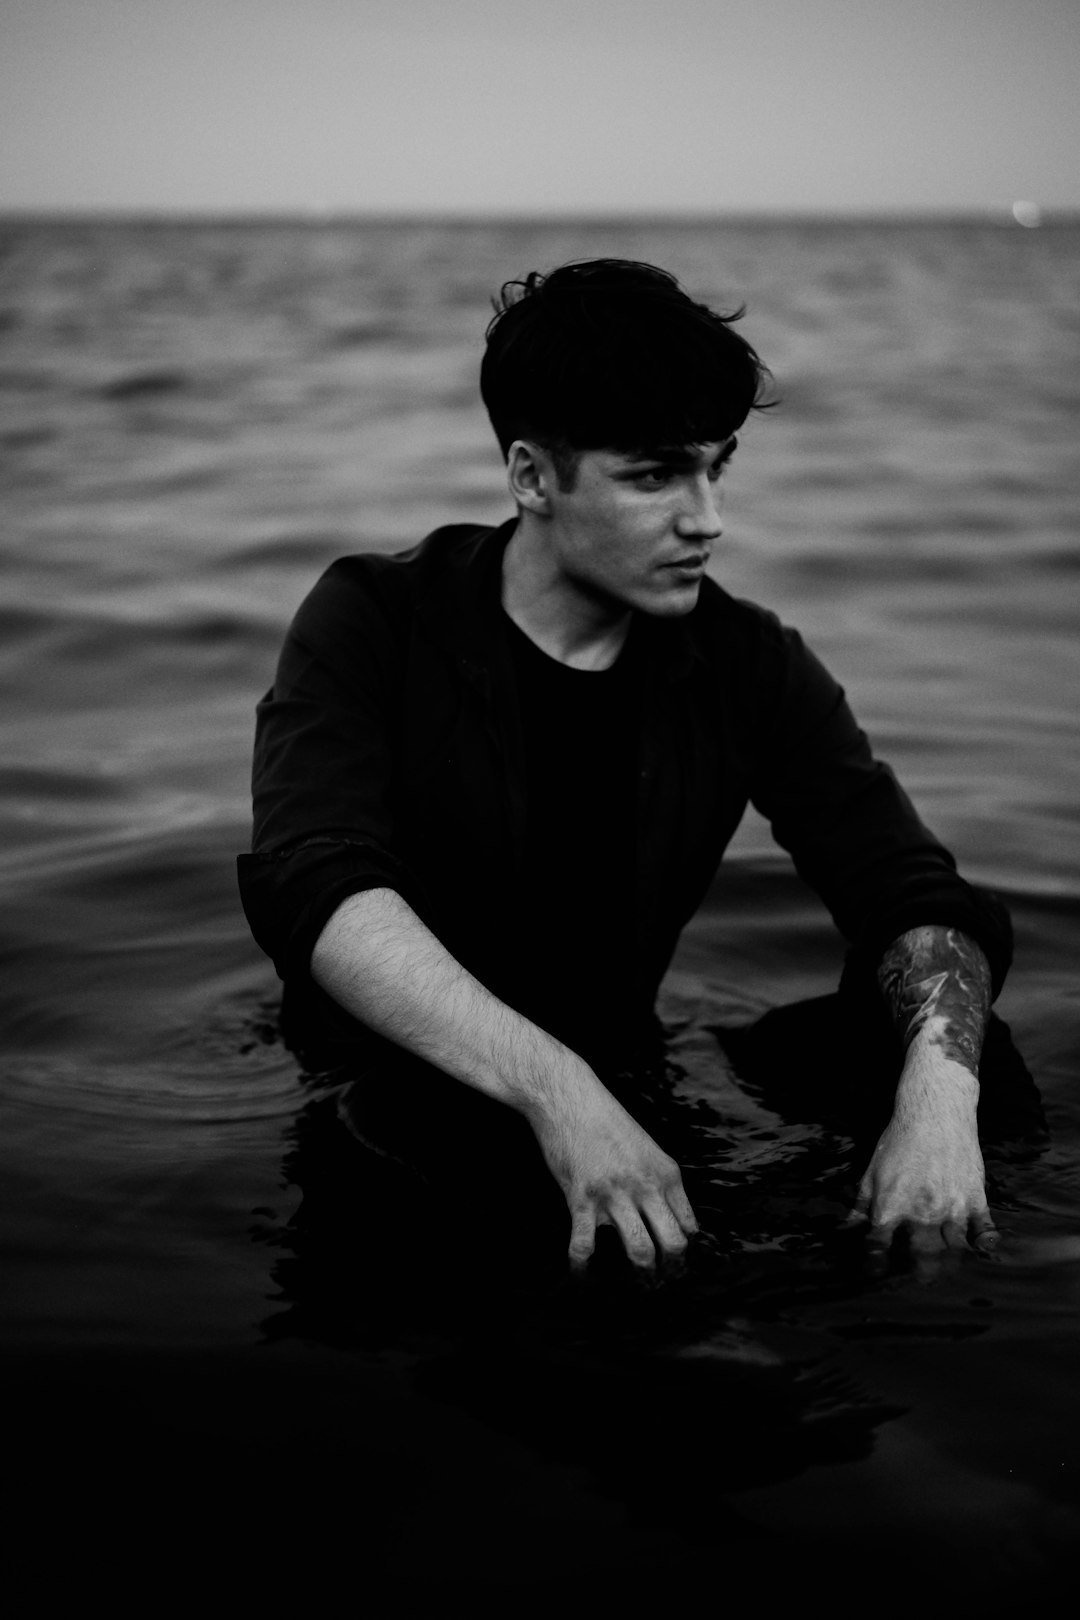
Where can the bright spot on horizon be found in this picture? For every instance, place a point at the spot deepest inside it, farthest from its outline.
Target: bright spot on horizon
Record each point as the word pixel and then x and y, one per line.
pixel 1027 213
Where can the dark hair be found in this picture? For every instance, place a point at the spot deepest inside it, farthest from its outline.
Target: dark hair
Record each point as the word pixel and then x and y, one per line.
pixel 613 354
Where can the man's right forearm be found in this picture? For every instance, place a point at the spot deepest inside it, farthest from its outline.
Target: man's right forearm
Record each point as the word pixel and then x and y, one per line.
pixel 384 966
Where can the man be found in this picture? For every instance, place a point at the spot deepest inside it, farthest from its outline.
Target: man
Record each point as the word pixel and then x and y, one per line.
pixel 496 773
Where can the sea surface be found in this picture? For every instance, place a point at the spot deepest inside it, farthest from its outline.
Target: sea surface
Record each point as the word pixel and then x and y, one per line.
pixel 212 1372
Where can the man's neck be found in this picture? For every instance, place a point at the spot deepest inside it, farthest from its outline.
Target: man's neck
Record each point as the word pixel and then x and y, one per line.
pixel 583 631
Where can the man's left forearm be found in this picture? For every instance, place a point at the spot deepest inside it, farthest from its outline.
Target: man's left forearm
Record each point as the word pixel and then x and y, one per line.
pixel 936 982
pixel 927 1170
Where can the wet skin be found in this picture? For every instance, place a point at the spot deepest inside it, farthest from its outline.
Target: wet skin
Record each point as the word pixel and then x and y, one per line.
pixel 926 1179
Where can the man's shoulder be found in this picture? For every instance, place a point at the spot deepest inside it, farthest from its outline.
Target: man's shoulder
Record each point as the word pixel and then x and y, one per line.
pixel 748 653
pixel 449 550
pixel 389 586
pixel 722 623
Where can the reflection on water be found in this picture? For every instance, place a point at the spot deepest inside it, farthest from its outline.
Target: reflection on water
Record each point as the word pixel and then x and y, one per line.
pixel 223 1358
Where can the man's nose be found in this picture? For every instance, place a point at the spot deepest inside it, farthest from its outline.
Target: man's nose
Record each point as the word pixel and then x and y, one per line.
pixel 700 517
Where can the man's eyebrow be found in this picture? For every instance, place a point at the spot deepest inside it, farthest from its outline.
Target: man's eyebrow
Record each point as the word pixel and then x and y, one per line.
pixel 678 455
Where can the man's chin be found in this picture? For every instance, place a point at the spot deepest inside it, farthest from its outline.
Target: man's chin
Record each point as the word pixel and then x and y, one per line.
pixel 673 603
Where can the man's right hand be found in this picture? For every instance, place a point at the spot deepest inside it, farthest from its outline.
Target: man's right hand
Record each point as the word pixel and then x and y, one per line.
pixel 613 1174
pixel 384 966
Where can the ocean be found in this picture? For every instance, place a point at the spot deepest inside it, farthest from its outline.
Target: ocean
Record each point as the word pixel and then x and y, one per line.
pixel 212 1377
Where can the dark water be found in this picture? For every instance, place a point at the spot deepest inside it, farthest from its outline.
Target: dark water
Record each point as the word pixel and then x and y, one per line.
pixel 216 1368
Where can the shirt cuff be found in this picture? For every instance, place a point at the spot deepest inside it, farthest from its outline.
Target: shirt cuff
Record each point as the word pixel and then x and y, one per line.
pixel 290 895
pixel 978 913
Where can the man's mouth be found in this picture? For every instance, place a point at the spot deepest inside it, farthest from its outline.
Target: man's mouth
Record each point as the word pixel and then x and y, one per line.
pixel 688 565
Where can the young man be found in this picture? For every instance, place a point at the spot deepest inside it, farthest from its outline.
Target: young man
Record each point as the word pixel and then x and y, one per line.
pixel 496 773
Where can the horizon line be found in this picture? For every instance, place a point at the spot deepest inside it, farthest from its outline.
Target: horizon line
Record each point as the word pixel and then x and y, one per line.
pixel 326 216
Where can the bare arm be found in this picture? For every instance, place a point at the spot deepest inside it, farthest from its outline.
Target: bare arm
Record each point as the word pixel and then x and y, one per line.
pixel 927 1170
pixel 384 966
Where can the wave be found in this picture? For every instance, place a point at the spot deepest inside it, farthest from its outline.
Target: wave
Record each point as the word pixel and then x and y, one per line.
pixel 308 551
pixel 145 385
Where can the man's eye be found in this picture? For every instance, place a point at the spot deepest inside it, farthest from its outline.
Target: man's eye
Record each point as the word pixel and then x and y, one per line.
pixel 655 478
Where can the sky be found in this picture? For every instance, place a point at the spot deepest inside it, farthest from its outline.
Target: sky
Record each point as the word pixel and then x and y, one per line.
pixel 537 107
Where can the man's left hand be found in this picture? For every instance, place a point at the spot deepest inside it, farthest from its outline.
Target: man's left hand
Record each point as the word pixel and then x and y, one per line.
pixel 926 1176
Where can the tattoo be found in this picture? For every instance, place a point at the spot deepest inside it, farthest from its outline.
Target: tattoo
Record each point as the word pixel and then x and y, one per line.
pixel 937 981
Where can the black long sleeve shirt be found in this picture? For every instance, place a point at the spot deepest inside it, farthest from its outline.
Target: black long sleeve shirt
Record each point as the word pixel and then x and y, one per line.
pixel 389 753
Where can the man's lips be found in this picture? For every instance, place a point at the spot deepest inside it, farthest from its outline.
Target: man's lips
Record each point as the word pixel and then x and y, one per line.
pixel 692 564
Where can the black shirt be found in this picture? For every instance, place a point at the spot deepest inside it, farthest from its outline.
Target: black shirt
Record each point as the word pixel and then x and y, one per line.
pixel 389 753
pixel 579 731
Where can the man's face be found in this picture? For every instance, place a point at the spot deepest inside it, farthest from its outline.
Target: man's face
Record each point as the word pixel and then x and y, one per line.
pixel 637 529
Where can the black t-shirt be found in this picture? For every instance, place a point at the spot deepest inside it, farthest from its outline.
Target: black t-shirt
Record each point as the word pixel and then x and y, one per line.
pixel 580 735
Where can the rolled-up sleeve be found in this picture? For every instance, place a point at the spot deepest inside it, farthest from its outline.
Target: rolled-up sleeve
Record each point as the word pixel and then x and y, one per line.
pixel 850 828
pixel 321 777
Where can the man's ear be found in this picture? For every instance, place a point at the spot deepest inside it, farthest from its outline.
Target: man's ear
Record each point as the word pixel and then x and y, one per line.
pixel 530 475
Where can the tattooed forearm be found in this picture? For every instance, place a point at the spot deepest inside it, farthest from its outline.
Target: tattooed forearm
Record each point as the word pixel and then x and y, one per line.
pixel 937 981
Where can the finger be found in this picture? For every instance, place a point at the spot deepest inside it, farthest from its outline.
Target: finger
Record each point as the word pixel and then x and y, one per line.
pixel 582 1237
pixel 984 1234
pixel 881 1234
pixel 879 1240
pixel 680 1207
pixel 929 1265
pixel 955 1235
pixel 634 1234
pixel 667 1233
pixel 924 1239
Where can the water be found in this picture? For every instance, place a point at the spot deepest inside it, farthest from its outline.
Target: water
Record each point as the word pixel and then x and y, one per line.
pixel 213 1373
